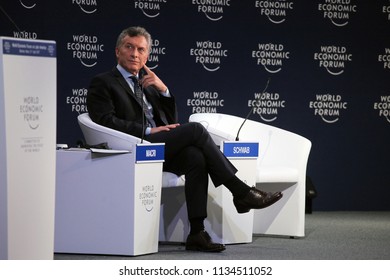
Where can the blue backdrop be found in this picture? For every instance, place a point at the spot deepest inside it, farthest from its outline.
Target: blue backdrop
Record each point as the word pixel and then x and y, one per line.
pixel 328 62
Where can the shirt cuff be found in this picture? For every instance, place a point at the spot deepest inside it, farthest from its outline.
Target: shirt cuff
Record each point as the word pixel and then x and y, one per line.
pixel 148 130
pixel 166 93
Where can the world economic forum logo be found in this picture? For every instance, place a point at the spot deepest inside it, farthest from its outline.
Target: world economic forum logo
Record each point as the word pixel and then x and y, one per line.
pixel 78 100
pixel 85 48
pixel 383 107
pixel 274 10
pixel 213 10
pixel 31 109
pixel 205 102
pixel 157 52
pixel 86 6
pixel 333 58
pixel 328 107
pixel 337 11
pixel 267 105
pixel 7 47
pixel 209 54
pixel 150 9
pixel 148 197
pixel 384 58
pixel 271 56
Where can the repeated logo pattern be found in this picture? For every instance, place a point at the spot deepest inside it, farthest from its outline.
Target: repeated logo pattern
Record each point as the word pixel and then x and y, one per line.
pixel 226 48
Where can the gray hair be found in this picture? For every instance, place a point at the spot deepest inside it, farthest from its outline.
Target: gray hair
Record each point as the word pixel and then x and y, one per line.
pixel 134 31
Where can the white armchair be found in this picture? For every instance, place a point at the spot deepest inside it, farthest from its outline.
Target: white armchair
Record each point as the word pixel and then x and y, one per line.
pixel 96 134
pixel 281 166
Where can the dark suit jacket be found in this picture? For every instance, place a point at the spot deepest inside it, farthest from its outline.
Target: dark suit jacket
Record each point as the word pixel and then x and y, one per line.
pixel 112 103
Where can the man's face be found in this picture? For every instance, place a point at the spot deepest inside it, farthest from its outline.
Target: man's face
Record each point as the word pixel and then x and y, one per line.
pixel 132 54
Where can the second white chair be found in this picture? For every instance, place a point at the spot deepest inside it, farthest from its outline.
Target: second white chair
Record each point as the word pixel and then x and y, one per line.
pixel 281 166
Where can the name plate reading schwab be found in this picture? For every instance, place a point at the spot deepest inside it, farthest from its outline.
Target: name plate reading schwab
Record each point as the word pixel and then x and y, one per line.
pixel 241 149
pixel 150 152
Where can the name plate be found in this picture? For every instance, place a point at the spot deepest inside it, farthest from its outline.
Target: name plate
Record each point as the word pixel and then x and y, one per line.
pixel 150 152
pixel 241 149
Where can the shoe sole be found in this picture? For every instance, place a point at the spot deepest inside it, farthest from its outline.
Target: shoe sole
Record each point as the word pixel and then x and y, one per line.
pixel 198 249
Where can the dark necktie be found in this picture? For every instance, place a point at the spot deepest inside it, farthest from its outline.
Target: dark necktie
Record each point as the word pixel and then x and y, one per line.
pixel 140 98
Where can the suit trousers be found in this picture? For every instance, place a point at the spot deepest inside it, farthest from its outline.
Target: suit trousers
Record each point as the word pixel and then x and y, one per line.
pixel 190 151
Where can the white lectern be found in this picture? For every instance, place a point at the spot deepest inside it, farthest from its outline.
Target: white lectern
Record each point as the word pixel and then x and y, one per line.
pixel 108 202
pixel 27 151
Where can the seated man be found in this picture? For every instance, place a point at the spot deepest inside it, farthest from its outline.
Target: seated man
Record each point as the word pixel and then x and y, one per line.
pixel 131 98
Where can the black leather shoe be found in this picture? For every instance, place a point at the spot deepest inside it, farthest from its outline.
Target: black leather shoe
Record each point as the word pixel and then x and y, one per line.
pixel 256 199
pixel 202 242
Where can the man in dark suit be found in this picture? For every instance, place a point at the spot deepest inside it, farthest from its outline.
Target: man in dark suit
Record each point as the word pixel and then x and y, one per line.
pixel 113 102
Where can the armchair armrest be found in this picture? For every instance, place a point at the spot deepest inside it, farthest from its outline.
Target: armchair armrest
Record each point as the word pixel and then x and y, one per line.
pixel 95 134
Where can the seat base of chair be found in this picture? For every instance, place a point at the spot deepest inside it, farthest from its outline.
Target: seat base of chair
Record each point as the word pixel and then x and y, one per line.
pixel 277 174
pixel 284 218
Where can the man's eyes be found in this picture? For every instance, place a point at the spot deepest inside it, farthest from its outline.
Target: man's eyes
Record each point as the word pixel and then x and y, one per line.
pixel 131 47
